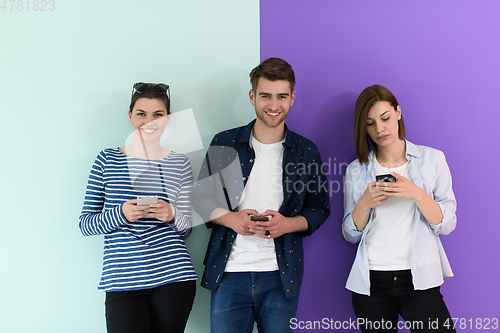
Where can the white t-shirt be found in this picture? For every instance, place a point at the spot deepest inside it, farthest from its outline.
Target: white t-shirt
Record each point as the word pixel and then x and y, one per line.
pixel 263 191
pixel 388 243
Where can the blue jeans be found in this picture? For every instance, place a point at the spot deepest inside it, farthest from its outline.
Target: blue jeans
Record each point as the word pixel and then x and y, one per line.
pixel 245 297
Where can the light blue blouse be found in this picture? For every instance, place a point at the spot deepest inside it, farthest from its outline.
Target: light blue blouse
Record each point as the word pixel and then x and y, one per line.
pixel 429 264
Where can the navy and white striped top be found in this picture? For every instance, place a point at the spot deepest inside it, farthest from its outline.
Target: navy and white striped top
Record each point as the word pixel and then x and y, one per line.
pixel 146 253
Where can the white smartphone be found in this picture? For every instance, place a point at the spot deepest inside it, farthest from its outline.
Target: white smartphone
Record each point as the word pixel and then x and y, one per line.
pixel 146 200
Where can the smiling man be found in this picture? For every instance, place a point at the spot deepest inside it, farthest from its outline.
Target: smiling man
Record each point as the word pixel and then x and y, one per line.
pixel 259 208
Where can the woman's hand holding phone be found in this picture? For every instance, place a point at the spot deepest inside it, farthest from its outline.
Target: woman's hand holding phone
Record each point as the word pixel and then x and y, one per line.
pixel 373 197
pixel 403 188
pixel 406 189
pixel 132 212
pixel 162 211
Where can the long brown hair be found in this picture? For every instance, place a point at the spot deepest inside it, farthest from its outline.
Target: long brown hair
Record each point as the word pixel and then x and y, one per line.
pixel 364 103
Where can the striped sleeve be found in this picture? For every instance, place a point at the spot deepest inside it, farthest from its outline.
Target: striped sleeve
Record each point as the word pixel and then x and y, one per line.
pixel 93 220
pixel 182 204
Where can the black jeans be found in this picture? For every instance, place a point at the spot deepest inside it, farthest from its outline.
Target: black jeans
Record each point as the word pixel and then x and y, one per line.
pixel 392 293
pixel 161 309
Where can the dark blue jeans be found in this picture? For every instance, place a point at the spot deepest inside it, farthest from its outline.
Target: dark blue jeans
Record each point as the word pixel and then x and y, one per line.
pixel 392 293
pixel 245 297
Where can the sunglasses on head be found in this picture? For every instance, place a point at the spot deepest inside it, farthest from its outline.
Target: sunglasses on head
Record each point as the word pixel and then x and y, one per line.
pixel 142 87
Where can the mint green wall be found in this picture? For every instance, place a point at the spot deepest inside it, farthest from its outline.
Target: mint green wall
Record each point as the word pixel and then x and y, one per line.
pixel 65 84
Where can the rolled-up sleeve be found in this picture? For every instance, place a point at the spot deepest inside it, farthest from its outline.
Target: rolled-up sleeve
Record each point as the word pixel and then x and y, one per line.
pixel 444 196
pixel 316 208
pixel 349 230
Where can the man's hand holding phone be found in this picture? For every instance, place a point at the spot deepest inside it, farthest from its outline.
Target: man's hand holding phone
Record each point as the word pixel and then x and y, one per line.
pixel 239 221
pixel 261 218
pixel 271 224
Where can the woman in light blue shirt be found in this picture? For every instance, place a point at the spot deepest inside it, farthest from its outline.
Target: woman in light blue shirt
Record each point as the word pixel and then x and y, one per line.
pixel 398 199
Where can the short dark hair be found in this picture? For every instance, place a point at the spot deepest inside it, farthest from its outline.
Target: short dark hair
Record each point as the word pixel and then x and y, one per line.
pixel 273 69
pixel 364 103
pixel 151 94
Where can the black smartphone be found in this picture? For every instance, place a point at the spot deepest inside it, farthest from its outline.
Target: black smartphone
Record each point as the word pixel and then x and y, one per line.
pixel 260 218
pixel 388 178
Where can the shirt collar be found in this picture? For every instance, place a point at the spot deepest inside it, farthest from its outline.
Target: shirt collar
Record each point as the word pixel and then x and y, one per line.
pixel 411 150
pixel 291 139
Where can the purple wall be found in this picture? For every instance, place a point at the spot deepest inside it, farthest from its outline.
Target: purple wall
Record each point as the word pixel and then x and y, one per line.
pixel 441 59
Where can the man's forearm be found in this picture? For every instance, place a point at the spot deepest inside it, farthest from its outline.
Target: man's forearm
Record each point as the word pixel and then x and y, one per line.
pixel 297 223
pixel 220 216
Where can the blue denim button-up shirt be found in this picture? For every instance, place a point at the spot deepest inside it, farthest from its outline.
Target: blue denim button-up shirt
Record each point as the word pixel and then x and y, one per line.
pixel 222 178
pixel 429 264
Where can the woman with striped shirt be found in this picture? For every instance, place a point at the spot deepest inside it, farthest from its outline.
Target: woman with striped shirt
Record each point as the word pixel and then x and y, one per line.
pixel 147 273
